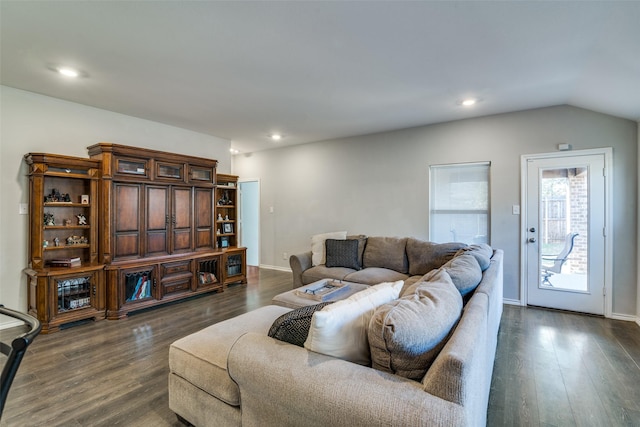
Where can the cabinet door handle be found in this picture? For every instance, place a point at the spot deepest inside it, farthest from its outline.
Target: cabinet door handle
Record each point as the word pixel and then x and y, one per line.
pixel 173 220
pixel 94 290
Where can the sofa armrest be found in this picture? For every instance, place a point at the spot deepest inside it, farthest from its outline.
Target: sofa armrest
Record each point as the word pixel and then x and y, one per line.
pixel 299 263
pixel 285 385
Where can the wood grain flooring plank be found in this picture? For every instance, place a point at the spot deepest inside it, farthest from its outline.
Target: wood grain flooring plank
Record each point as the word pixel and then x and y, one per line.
pixel 551 369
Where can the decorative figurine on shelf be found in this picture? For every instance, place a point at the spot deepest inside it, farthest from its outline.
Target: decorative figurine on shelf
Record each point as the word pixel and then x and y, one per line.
pixel 48 219
pixel 82 220
pixel 56 242
pixel 67 222
pixel 55 196
pixel 219 217
pixel 45 243
pixel 224 200
pixel 226 217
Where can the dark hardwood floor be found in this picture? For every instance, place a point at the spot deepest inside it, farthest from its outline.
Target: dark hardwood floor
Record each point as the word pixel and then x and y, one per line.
pixel 552 368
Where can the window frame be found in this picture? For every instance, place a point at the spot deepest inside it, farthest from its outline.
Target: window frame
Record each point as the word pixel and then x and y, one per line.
pixel 433 193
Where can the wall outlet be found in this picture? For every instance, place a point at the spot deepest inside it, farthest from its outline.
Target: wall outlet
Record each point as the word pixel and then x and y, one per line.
pixel 285 255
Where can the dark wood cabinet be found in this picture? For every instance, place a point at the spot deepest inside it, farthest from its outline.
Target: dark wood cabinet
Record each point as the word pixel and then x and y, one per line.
pixel 64 273
pixel 127 222
pixel 138 228
pixel 203 219
pixel 159 223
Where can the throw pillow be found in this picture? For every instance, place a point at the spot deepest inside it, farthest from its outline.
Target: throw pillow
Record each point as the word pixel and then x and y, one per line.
pixel 386 252
pixel 340 329
pixel 426 256
pixel 293 327
pixel 317 245
pixel 465 272
pixel 406 335
pixel 482 252
pixel 342 253
pixel 362 243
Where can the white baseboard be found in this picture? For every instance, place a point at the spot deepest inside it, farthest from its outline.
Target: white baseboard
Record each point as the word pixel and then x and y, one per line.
pixel 625 317
pixel 509 301
pixel 10 324
pixel 275 267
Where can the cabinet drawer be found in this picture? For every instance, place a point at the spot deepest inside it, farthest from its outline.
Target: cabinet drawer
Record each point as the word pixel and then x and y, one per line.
pixel 173 287
pixel 175 268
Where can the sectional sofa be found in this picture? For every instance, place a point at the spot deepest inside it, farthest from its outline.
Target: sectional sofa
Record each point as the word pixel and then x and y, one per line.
pixel 234 373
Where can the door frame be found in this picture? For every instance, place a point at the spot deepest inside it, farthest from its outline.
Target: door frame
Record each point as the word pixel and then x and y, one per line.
pixel 259 201
pixel 608 218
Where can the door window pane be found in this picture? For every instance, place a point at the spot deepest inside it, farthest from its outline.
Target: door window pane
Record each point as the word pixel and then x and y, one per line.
pixel 564 219
pixel 459 205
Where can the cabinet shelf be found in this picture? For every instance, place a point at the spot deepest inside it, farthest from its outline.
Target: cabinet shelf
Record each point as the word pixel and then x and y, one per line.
pixel 60 248
pixel 67 227
pixel 66 205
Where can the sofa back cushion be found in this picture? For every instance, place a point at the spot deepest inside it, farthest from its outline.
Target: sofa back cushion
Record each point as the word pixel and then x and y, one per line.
pixel 425 256
pixel 406 335
pixel 386 252
pixel 465 272
pixel 340 329
pixel 482 252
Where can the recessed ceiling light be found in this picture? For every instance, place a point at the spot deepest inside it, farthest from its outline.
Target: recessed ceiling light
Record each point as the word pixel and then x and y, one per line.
pixel 275 136
pixel 69 72
pixel 233 151
pixel 469 102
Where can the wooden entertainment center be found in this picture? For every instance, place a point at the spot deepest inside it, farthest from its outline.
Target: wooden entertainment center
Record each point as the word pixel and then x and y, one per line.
pixel 158 227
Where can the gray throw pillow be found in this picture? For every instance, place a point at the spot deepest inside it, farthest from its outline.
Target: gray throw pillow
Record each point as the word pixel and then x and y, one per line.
pixel 362 243
pixel 406 335
pixel 342 253
pixel 293 327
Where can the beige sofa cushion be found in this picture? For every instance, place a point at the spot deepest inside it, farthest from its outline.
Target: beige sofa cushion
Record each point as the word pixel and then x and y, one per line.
pixel 375 275
pixel 201 358
pixel 386 252
pixel 425 256
pixel 406 335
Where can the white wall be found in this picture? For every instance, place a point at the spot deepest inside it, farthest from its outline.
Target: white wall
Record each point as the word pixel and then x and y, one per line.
pixel 378 184
pixel 35 123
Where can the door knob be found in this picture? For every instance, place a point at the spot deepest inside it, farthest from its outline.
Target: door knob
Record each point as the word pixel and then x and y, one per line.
pixel 532 240
pixel 532 229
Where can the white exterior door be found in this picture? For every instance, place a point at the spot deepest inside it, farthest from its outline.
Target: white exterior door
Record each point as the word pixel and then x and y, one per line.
pixel 565 220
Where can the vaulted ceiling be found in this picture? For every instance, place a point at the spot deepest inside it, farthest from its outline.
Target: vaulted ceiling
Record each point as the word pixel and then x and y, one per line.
pixel 321 70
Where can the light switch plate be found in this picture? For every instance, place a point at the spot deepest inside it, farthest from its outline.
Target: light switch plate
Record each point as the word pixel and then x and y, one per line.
pixel 23 208
pixel 515 209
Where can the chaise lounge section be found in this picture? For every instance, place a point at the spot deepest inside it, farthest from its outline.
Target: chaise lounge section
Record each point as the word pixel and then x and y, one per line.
pixel 233 373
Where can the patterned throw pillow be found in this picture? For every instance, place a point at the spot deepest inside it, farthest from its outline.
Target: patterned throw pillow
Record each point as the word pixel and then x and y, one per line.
pixel 293 327
pixel 342 253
